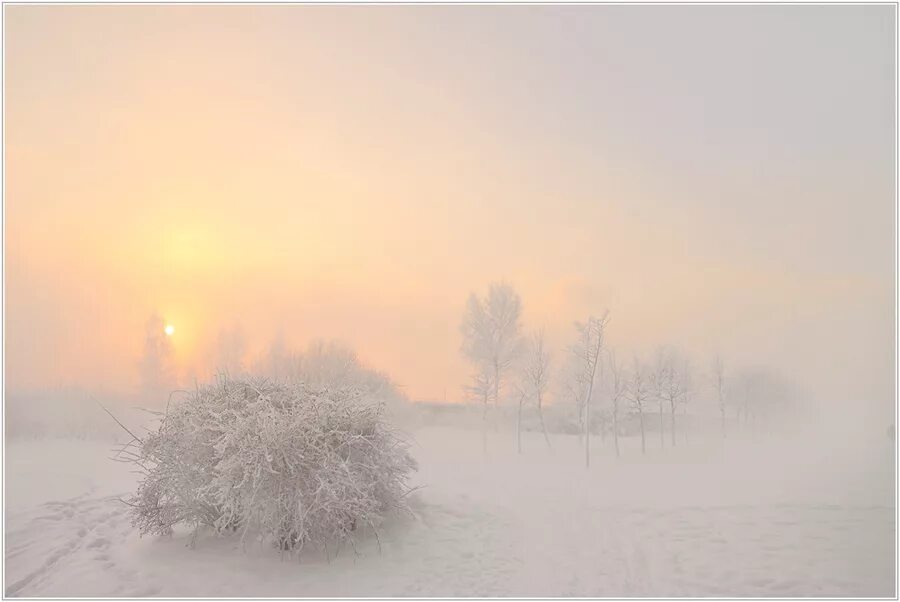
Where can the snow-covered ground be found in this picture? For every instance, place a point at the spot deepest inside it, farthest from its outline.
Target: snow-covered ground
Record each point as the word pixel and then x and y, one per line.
pixel 740 518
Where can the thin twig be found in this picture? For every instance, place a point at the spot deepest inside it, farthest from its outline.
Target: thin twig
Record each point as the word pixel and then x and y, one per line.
pixel 119 423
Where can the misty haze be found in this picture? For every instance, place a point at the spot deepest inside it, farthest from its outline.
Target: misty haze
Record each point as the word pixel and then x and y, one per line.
pixel 449 301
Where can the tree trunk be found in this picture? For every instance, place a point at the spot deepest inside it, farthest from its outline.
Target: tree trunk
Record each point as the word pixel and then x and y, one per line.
pixel 543 426
pixel 662 434
pixel 484 413
pixel 580 408
pixel 616 426
pixel 643 441
pixel 496 397
pixel 587 429
pixel 672 406
pixel 519 428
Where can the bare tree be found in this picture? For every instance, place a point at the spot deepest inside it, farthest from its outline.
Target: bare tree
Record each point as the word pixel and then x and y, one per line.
pixel 536 376
pixel 718 374
pixel 587 352
pixel 638 393
pixel 490 330
pixel 617 390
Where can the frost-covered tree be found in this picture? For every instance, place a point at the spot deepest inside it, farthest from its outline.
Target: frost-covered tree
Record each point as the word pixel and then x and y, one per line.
pixel 601 416
pixel 520 394
pixel 325 363
pixel 571 387
pixel 761 393
pixel 491 332
pixel 638 392
pixel 230 351
pixel 278 359
pixel 480 389
pixel 718 382
pixel 587 352
pixel 536 376
pixel 687 385
pixel 672 379
pixel 750 385
pixel 157 370
pixel 618 387
pixel 657 384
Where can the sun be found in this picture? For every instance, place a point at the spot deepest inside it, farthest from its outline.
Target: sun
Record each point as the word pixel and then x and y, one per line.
pixel 169 330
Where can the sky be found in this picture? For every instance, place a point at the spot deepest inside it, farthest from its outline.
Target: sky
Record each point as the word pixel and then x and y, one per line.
pixel 720 177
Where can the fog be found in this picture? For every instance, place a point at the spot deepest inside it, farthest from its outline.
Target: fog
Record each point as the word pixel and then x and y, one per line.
pixel 622 261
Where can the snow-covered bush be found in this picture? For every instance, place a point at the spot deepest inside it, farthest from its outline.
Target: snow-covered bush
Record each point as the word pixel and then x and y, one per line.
pixel 286 462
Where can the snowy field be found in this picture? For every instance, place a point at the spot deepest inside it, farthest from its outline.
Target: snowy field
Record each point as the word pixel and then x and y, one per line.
pixel 710 519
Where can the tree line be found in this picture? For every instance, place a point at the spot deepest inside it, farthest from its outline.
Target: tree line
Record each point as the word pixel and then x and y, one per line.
pixel 599 388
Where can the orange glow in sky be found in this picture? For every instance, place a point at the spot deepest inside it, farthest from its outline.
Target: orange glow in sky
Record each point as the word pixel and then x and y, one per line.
pixel 355 172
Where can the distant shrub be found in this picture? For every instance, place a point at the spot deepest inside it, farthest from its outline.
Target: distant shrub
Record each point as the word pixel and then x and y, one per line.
pixel 292 464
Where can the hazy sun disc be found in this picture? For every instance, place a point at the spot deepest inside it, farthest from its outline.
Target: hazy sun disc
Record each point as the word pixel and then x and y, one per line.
pixel 170 330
